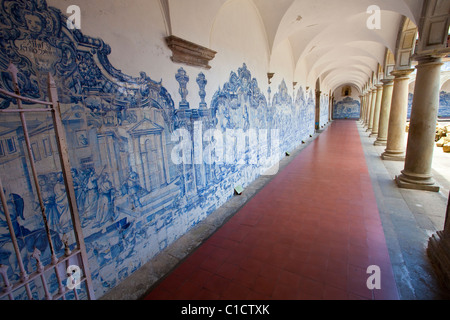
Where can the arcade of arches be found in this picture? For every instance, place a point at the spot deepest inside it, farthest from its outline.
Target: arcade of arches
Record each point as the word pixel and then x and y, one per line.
pixel 330 82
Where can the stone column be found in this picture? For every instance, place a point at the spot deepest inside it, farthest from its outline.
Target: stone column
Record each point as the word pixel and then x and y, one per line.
pixel 372 108
pixel 363 113
pixel 388 85
pixel 376 115
pixel 361 98
pixel 368 100
pixel 395 146
pixel 422 130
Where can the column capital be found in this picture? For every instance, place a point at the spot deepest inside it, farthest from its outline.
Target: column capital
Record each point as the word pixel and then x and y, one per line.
pixel 428 60
pixel 379 86
pixel 431 56
pixel 388 81
pixel 402 73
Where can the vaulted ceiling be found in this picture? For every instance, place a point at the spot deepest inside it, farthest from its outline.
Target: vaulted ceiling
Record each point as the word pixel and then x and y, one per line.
pixel 330 39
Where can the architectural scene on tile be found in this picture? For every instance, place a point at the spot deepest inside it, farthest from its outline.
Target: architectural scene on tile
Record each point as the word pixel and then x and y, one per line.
pixel 154 146
pixel 444 95
pixel 123 133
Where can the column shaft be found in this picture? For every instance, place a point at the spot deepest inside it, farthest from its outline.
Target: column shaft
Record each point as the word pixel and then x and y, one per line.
pixel 388 85
pixel 395 146
pixel 376 115
pixel 369 99
pixel 361 98
pixel 372 108
pixel 419 153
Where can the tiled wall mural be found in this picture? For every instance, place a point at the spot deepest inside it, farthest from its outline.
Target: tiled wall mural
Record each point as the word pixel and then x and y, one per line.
pixel 145 171
pixel 348 108
pixel 444 105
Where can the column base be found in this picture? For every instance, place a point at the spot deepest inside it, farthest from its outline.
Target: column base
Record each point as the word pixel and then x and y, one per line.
pixel 438 252
pixel 380 142
pixel 373 135
pixel 416 182
pixel 393 156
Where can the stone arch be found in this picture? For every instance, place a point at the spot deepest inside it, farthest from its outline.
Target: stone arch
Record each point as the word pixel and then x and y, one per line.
pixel 433 27
pixel 239 36
pixel 444 97
pixel 445 80
pixel 389 63
pixel 239 3
pixel 406 43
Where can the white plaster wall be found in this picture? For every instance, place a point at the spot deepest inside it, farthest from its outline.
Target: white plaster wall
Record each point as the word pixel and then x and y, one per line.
pixel 192 20
pixel 239 37
pixel 282 64
pixel 134 29
pixel 301 75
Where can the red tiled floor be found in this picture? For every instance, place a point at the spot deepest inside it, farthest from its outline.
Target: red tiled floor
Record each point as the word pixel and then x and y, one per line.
pixel 311 233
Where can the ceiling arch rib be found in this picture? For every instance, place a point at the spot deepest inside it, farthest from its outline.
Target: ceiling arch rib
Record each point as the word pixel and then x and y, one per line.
pixel 367 49
pixel 359 68
pixel 355 78
pixel 313 26
pixel 364 43
pixel 348 56
pixel 336 74
pixel 363 65
pixel 303 14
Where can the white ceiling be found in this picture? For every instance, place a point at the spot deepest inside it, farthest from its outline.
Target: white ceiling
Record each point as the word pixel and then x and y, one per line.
pixel 330 38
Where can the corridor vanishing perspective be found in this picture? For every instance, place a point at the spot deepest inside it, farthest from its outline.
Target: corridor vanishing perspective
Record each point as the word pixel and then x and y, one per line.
pixel 310 233
pixel 224 150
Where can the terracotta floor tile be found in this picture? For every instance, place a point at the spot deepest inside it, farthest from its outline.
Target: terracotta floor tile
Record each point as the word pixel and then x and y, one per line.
pixel 285 292
pixel 188 289
pixel 228 271
pixel 211 264
pixel 312 288
pixel 336 279
pixel 216 284
pixel 201 276
pixel 334 293
pixel 246 278
pixel 159 294
pixel 236 291
pixel 264 285
pixel 309 234
pixel 289 278
pixel 205 295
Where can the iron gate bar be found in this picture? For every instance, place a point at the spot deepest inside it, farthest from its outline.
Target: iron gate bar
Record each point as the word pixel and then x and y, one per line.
pixel 46 269
pixel 13 71
pixel 7 288
pixel 12 95
pixel 39 269
pixel 23 274
pixel 24 110
pixel 68 181
pixel 80 251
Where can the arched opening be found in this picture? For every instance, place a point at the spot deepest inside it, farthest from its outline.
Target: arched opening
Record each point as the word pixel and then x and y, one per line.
pixel 444 101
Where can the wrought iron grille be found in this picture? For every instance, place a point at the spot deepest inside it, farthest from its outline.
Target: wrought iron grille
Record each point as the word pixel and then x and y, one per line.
pixel 66 274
